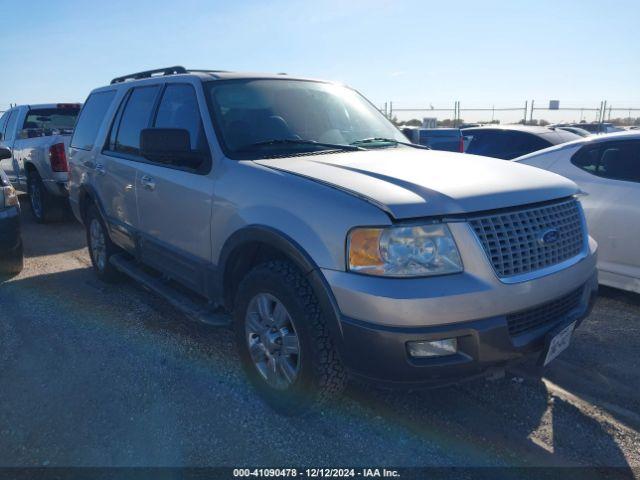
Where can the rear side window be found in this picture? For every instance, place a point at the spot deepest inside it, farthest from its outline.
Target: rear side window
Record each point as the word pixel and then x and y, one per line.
pixel 135 117
pixel 614 160
pixel 179 109
pixel 91 118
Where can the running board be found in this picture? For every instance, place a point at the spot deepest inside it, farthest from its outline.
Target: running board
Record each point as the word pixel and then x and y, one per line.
pixel 184 304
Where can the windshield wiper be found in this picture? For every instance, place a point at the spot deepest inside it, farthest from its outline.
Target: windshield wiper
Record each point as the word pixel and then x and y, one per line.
pixel 299 141
pixel 388 140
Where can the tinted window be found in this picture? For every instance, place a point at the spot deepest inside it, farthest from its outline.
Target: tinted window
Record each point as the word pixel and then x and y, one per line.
pixel 11 123
pixel 3 121
pixel 249 113
pixel 90 119
pixel 448 140
pixel 179 109
pixel 615 160
pixel 135 117
pixel 51 119
pixel 503 144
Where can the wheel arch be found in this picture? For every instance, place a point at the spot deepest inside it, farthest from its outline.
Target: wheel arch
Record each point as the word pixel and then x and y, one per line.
pixel 88 196
pixel 255 244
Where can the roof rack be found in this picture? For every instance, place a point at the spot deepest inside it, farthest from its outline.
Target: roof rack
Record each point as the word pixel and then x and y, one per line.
pixel 159 72
pixel 150 73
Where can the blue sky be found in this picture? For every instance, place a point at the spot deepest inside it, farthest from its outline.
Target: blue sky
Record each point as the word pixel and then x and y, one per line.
pixel 482 53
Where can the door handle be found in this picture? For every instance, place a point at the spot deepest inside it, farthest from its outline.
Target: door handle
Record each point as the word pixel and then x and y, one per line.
pixel 148 183
pixel 100 170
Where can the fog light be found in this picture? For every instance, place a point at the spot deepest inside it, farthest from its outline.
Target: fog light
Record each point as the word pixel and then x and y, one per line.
pixel 437 348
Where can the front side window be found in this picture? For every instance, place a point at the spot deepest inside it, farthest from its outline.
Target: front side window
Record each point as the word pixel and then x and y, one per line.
pixel 3 122
pixel 91 118
pixel 179 109
pixel 135 117
pixel 11 123
pixel 615 160
pixel 248 113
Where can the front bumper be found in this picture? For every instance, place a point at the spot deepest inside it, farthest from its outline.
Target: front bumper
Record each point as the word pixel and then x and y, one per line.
pixel 378 316
pixel 379 353
pixel 10 238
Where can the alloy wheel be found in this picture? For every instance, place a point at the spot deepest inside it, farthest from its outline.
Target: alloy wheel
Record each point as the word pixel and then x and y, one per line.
pixel 273 343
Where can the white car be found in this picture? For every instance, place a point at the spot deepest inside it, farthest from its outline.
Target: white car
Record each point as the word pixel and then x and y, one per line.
pixel 607 168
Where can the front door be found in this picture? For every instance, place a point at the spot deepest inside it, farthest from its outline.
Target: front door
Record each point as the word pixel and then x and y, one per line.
pixel 175 201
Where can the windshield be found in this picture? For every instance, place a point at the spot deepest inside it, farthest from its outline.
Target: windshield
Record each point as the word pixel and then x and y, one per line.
pixel 250 114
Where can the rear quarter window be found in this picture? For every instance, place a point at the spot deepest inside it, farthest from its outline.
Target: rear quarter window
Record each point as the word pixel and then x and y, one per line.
pixel 91 118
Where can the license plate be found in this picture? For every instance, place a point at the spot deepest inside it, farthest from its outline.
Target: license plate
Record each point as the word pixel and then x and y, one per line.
pixel 558 343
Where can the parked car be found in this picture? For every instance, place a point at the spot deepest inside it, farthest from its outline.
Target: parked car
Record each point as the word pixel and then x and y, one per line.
pixel 578 131
pixel 10 240
pixel 447 139
pixel 38 136
pixel 598 128
pixel 511 141
pixel 339 248
pixel 607 168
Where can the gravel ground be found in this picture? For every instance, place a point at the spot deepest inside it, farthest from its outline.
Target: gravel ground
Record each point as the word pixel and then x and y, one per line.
pixel 101 375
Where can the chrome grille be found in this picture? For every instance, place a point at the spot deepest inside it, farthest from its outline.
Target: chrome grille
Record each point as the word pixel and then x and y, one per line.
pixel 512 240
pixel 545 314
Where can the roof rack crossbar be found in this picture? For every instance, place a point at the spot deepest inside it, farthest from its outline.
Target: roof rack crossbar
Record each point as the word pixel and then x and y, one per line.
pixel 149 73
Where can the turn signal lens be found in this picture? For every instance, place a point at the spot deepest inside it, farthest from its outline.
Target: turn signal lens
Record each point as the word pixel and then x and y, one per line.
pixel 364 248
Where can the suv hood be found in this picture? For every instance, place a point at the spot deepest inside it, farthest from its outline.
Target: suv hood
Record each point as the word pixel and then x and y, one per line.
pixel 412 183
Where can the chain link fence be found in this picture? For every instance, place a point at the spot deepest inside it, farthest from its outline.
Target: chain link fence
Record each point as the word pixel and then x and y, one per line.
pixel 529 112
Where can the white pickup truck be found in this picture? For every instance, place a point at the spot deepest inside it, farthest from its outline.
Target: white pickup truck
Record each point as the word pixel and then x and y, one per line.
pixel 38 137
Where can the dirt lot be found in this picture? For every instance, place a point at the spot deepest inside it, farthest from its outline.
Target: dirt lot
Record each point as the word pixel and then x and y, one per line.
pixel 101 375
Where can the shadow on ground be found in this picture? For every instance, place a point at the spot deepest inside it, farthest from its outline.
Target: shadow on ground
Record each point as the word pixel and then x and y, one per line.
pixel 49 239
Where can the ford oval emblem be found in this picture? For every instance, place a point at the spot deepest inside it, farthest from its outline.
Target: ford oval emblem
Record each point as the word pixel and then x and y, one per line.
pixel 549 237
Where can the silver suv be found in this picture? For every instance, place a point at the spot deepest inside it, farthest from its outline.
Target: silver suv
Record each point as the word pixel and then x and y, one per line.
pixel 339 248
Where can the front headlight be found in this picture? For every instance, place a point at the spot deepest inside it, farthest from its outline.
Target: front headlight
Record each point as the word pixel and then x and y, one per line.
pixel 411 251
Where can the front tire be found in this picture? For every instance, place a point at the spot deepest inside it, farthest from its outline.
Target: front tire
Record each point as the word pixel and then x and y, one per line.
pixel 12 262
pixel 283 340
pixel 101 248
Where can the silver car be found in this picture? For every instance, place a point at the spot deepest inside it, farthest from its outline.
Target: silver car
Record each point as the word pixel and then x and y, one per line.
pixel 607 168
pixel 339 248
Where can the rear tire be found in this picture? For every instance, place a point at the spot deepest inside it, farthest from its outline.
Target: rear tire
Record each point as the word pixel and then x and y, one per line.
pixel 101 248
pixel 45 206
pixel 293 342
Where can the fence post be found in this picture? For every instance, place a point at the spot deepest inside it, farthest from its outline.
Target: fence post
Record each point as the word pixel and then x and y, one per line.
pixel 531 117
pixel 524 119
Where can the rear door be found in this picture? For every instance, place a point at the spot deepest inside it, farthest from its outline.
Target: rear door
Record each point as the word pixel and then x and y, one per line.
pixel 610 173
pixel 116 167
pixel 175 201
